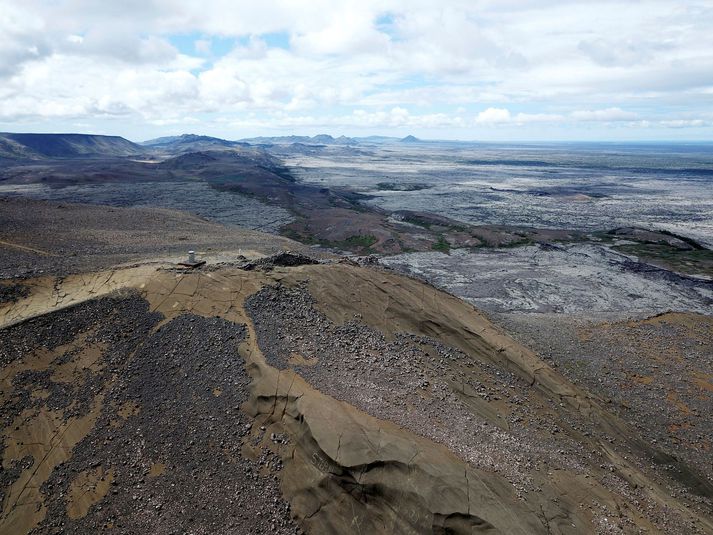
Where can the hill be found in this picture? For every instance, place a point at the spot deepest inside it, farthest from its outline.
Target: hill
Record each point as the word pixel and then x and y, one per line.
pixel 190 143
pixel 377 139
pixel 40 146
pixel 319 139
pixel 282 394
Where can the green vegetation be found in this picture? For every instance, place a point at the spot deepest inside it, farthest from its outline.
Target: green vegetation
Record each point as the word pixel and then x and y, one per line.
pixel 307 239
pixel 358 240
pixel 441 245
pixel 691 262
pixel 523 241
pixel 415 220
pixel 693 243
pixel 427 223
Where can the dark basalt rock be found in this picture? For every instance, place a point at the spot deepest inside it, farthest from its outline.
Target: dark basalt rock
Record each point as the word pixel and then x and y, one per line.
pixel 13 292
pixel 282 259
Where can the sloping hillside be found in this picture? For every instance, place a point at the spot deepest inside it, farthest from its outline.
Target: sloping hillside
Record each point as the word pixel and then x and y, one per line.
pixel 155 400
pixel 39 146
pixel 279 394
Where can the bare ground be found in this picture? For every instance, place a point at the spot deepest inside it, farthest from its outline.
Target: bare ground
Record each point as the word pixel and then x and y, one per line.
pixel 329 398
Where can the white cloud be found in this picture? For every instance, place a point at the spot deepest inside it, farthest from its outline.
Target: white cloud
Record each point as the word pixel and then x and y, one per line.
pixel 539 118
pixel 395 118
pixel 502 115
pixel 350 31
pixel 623 53
pixel 684 123
pixel 23 38
pixel 608 114
pixel 555 63
pixel 128 49
pixel 493 116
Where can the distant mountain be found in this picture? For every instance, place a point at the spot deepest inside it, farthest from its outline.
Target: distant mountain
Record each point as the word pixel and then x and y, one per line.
pixel 323 138
pixel 410 139
pixel 266 140
pixel 160 140
pixel 319 139
pixel 376 139
pixel 191 143
pixel 40 146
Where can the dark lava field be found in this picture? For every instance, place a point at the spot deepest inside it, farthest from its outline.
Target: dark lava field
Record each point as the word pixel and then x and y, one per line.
pixel 392 337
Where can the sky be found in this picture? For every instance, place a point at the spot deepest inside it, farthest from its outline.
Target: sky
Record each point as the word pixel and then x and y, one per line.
pixel 487 70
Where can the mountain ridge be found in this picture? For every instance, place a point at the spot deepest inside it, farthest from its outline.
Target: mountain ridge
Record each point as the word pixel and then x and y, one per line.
pixel 34 146
pixel 191 142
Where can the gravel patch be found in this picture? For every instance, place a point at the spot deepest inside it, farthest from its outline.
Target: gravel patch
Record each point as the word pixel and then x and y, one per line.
pixel 417 382
pixel 167 447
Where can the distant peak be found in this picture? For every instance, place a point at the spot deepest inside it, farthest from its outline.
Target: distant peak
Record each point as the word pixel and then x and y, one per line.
pixel 410 139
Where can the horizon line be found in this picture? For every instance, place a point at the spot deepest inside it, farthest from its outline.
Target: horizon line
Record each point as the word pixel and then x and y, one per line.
pixel 397 138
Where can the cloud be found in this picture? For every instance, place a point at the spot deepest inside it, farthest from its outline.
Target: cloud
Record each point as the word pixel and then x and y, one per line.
pixel 493 116
pixel 539 118
pixel 394 119
pixel 22 40
pixel 454 64
pixel 128 49
pixel 625 53
pixel 608 114
pixel 350 31
pixel 684 123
